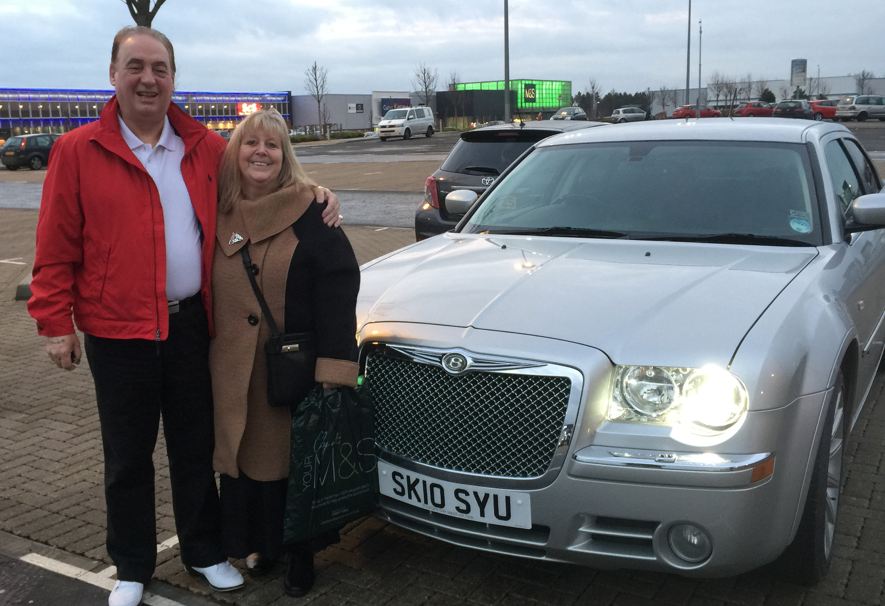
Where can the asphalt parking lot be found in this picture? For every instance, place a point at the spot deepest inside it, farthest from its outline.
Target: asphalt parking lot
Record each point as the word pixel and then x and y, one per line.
pixel 52 510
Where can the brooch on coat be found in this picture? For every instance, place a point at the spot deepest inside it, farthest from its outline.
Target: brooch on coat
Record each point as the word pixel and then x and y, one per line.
pixel 235 237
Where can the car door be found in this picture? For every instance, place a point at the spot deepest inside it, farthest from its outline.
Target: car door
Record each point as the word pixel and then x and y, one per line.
pixel 877 107
pixel 852 175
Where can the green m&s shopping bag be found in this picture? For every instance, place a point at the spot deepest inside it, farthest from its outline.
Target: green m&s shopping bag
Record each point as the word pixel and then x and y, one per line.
pixel 332 476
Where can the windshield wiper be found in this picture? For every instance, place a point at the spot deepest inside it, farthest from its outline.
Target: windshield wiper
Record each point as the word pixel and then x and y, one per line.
pixel 485 170
pixel 572 232
pixel 725 238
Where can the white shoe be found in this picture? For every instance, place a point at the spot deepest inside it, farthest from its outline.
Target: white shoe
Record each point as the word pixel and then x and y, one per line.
pixel 221 577
pixel 126 593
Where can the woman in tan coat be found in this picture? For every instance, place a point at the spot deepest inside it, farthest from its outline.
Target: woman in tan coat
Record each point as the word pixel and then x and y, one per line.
pixel 309 277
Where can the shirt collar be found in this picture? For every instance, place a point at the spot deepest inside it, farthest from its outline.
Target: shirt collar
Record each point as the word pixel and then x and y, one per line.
pixel 168 138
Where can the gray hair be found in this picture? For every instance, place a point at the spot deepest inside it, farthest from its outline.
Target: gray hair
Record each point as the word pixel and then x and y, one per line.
pixel 128 32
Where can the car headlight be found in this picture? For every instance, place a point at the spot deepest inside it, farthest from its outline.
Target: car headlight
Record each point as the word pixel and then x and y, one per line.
pixel 703 401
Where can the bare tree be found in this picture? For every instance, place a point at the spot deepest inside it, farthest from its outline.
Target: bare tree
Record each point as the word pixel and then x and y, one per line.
pixel 784 92
pixel 326 113
pixel 142 12
pixel 862 80
pixel 732 90
pixel 316 84
pixel 665 98
pixel 717 83
pixel 456 96
pixel 823 89
pixel 424 82
pixel 593 89
pixel 760 85
pixel 651 96
pixel 747 88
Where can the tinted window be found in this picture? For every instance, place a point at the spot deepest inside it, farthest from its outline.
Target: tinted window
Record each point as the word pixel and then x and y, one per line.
pixel 658 189
pixel 489 156
pixel 14 142
pixel 846 184
pixel 41 141
pixel 863 100
pixel 868 176
pixel 395 114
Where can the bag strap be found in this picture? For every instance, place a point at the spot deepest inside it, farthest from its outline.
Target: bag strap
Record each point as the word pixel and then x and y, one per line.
pixel 247 263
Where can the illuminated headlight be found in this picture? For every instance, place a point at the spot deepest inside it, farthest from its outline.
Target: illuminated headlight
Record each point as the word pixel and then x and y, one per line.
pixel 703 401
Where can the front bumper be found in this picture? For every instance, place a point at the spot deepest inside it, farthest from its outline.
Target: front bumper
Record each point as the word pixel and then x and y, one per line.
pixel 612 500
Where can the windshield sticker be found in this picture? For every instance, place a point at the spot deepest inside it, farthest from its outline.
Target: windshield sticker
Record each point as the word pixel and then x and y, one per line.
pixel 798 214
pixel 800 225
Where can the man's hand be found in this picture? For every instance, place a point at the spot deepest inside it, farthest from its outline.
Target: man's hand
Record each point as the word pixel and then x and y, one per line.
pixel 64 351
pixel 330 215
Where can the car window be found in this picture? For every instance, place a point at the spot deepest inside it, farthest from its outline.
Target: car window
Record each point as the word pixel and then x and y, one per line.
pixel 395 114
pixel 659 188
pixel 13 142
pixel 876 101
pixel 411 114
pixel 846 183
pixel 489 157
pixel 862 101
pixel 42 141
pixel 868 177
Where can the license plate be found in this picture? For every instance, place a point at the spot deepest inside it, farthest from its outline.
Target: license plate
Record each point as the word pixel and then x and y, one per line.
pixel 10 153
pixel 465 501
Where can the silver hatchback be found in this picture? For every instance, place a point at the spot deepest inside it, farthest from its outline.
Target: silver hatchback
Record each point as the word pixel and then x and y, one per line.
pixel 861 107
pixel 628 114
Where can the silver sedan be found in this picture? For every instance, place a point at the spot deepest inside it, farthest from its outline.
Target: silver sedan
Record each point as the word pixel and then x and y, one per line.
pixel 643 347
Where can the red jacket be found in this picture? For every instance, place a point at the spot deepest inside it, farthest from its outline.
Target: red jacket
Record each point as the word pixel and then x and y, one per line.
pixel 101 247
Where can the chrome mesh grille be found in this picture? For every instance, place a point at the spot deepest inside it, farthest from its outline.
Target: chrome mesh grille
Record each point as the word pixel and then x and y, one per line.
pixel 494 424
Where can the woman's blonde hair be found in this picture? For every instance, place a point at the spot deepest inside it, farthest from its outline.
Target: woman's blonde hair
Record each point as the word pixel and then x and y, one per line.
pixel 230 184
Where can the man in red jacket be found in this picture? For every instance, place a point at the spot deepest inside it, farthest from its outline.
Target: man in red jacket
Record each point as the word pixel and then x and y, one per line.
pixel 124 243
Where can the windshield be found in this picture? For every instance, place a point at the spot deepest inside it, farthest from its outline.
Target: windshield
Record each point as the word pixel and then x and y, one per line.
pixel 658 190
pixel 396 114
pixel 490 153
pixel 14 142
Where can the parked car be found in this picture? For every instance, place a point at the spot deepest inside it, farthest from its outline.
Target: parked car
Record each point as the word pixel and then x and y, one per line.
pixel 860 107
pixel 569 113
pixel 690 111
pixel 793 108
pixel 628 114
pixel 225 134
pixel 824 108
pixel 405 122
pixel 476 161
pixel 753 109
pixel 27 150
pixel 642 348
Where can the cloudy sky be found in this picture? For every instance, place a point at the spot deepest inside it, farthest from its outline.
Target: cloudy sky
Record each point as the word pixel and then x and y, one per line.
pixel 374 45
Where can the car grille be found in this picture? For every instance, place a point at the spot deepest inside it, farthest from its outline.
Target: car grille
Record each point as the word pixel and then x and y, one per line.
pixel 494 424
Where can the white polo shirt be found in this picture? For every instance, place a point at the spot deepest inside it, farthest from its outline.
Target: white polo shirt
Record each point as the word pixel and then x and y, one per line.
pixel 183 233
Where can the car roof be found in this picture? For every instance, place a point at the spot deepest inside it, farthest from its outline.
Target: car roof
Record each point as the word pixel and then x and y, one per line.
pixel 782 130
pixel 557 126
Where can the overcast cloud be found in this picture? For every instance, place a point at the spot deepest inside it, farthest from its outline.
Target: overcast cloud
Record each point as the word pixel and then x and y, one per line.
pixel 370 45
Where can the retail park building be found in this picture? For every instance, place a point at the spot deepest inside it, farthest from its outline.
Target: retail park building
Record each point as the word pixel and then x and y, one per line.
pixel 30 110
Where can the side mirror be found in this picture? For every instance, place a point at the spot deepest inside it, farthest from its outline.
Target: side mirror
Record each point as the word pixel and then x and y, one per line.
pixel 459 201
pixel 869 210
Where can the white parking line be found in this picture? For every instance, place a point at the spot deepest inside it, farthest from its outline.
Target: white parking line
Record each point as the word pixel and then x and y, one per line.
pixel 100 579
pixel 16 261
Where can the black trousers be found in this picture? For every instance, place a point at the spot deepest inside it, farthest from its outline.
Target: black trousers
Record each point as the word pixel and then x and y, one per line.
pixel 137 382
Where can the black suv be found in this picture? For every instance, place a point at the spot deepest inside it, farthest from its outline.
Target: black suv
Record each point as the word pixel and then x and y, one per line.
pixel 27 150
pixel 475 162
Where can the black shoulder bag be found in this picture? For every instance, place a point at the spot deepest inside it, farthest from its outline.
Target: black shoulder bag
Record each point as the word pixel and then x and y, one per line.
pixel 291 358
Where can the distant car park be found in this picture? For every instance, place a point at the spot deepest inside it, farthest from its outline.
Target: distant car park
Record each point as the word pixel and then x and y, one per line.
pixel 690 111
pixel 753 109
pixel 793 108
pixel 27 150
pixel 569 113
pixel 628 114
pixel 860 107
pixel 825 108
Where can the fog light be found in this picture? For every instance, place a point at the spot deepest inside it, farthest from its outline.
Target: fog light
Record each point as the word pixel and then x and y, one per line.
pixel 690 543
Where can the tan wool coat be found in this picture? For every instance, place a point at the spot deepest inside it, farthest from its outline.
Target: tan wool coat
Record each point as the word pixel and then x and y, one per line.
pixel 250 435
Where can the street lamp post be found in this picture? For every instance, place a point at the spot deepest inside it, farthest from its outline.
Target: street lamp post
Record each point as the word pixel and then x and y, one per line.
pixel 688 56
pixel 700 47
pixel 506 64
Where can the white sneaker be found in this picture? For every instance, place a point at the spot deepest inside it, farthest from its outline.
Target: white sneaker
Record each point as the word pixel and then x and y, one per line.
pixel 221 577
pixel 126 593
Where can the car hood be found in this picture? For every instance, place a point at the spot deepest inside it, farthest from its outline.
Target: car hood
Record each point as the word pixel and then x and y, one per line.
pixel 666 303
pixel 391 122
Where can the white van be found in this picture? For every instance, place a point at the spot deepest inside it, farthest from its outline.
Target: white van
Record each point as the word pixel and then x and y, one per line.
pixel 405 122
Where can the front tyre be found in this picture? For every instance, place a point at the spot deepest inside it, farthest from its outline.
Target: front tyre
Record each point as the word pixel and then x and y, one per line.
pixel 429 132
pixel 406 134
pixel 808 558
pixel 383 138
pixel 818 116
